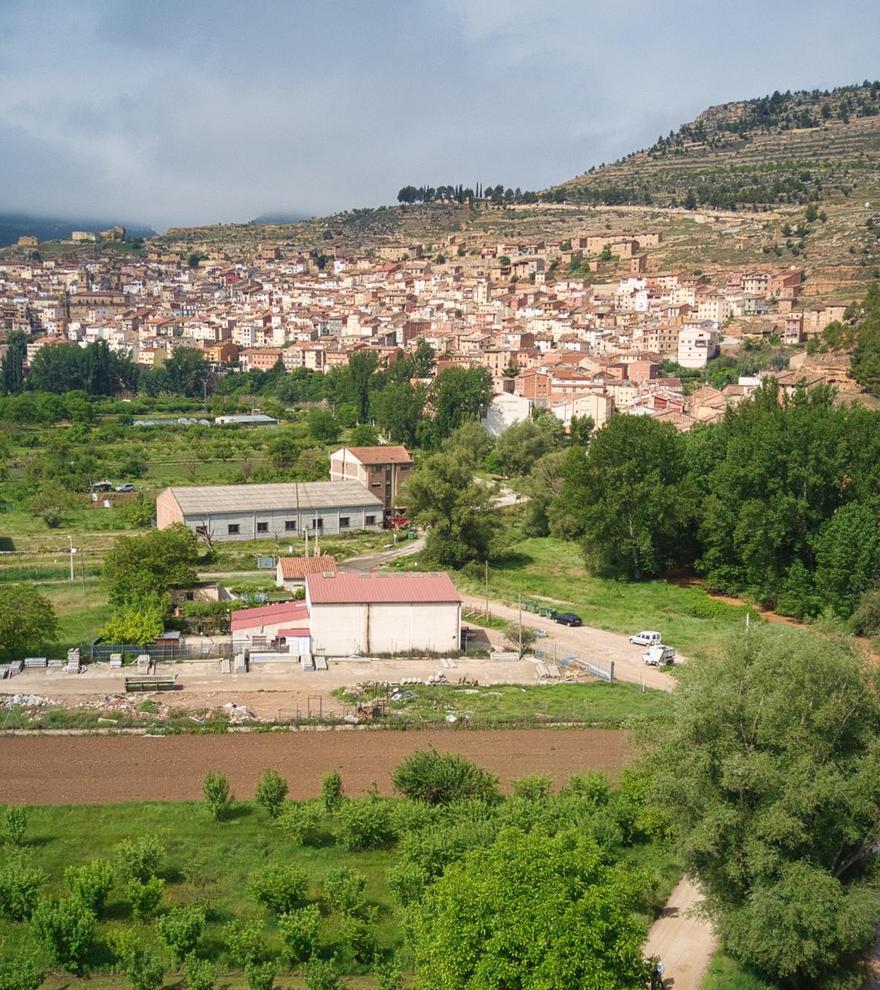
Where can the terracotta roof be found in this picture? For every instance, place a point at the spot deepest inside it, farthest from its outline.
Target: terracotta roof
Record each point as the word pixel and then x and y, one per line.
pixel 381 455
pixel 380 588
pixel 293 568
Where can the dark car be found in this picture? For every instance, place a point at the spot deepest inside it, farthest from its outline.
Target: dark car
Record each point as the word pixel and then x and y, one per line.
pixel 568 619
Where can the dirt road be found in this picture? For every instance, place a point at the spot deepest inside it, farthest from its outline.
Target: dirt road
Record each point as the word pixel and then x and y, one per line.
pixel 684 942
pixel 109 769
pixel 597 645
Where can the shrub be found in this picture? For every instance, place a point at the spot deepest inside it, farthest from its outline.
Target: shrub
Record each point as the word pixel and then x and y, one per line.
pixel 271 792
pixel 593 786
pixel 200 973
pixel 866 618
pixel 532 788
pixel 14 826
pixel 331 792
pixel 389 976
pixel 91 884
pixel 139 859
pixel 434 848
pixel 180 930
pixel 260 976
pixel 245 942
pixel 407 882
pixel 145 971
pixel 299 932
pixel 20 882
pixel 64 929
pixel 123 943
pixel 364 824
pixel 280 888
pixel 215 788
pixel 20 973
pixel 346 890
pixel 300 821
pixel 359 937
pixel 144 896
pixel 441 778
pixel 321 975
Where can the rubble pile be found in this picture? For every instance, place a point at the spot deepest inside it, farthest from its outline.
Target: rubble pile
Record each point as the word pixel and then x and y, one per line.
pixel 30 701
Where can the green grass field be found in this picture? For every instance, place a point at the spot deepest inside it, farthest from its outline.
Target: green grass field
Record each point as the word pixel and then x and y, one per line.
pixel 727 974
pixel 551 569
pixel 594 703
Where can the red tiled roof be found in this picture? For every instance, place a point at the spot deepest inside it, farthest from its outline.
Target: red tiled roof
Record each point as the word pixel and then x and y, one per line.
pixel 294 633
pixel 293 568
pixel 381 455
pixel 346 588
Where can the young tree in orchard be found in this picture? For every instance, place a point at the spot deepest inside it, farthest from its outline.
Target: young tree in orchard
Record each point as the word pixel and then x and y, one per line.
pixel 769 771
pixel 626 496
pixel 27 620
pixel 443 496
pixel 139 567
pixel 530 911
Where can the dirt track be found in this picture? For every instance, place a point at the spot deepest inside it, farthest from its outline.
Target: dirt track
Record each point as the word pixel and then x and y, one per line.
pixel 107 769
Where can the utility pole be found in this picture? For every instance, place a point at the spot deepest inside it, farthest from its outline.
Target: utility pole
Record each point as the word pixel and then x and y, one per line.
pixel 520 624
pixel 72 552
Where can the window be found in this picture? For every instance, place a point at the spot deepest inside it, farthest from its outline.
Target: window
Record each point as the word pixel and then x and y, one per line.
pixel 370 521
pixel 344 522
pixel 263 527
pixel 289 525
pixel 318 523
pixel 232 529
pixel 376 484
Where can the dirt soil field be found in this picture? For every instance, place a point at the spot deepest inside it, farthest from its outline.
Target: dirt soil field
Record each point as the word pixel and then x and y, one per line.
pixel 108 769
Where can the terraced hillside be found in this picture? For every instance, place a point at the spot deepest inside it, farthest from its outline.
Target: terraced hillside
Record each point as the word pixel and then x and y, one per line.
pixel 791 148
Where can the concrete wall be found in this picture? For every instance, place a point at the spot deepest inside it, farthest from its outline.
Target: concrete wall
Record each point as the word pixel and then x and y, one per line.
pixel 277 522
pixel 343 629
pixel 167 510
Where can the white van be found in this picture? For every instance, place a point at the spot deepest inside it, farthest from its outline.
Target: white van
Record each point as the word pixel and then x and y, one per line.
pixel 647 637
pixel 659 656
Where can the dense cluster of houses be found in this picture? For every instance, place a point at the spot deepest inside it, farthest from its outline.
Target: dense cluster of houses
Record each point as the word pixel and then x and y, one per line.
pixel 522 310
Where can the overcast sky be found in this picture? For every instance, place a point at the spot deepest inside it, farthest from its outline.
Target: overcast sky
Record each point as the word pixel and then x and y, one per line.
pixel 202 111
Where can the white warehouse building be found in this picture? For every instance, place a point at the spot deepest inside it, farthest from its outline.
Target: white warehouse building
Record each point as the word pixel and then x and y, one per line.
pixel 280 511
pixel 369 614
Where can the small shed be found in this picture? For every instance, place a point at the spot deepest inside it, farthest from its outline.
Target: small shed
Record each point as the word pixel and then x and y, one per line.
pixel 290 572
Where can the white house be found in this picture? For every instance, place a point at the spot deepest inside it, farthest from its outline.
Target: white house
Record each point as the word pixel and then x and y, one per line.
pixel 367 614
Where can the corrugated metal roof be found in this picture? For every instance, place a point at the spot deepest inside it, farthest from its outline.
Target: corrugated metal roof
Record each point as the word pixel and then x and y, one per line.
pixel 345 588
pixel 311 496
pixel 297 567
pixel 252 618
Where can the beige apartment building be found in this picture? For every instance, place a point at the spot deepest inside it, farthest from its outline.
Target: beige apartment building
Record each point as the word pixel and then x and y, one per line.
pixel 381 470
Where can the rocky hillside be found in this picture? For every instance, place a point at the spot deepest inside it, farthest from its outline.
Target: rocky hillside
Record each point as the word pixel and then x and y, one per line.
pixel 788 148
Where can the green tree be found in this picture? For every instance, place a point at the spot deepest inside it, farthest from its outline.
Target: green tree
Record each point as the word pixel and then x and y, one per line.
pixel 443 496
pixel 260 976
pixel 201 974
pixel 281 889
pixel 398 409
pixel 245 942
pixel 361 368
pixel 321 974
pixel 848 556
pixel 91 883
pixel 12 365
pixel 364 824
pixel 20 973
pixel 215 788
pixel 20 883
pixel 459 394
pixel 27 619
pixel 443 778
pixel 516 913
pixel 769 772
pixel 423 359
pixel 346 890
pixel 137 623
pixel 65 929
pixel 144 971
pixel 14 826
pixel 271 792
pixel 298 932
pixel 523 443
pixel 139 859
pixel 323 426
pixel 331 791
pixel 181 930
pixel 144 896
pixel 187 372
pixel 139 567
pixel 627 498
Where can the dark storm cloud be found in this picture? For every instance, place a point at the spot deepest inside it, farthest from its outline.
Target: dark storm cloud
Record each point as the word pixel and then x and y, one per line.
pixel 208 111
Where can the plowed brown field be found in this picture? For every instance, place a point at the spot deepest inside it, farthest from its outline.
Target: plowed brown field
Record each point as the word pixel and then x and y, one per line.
pixel 108 769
